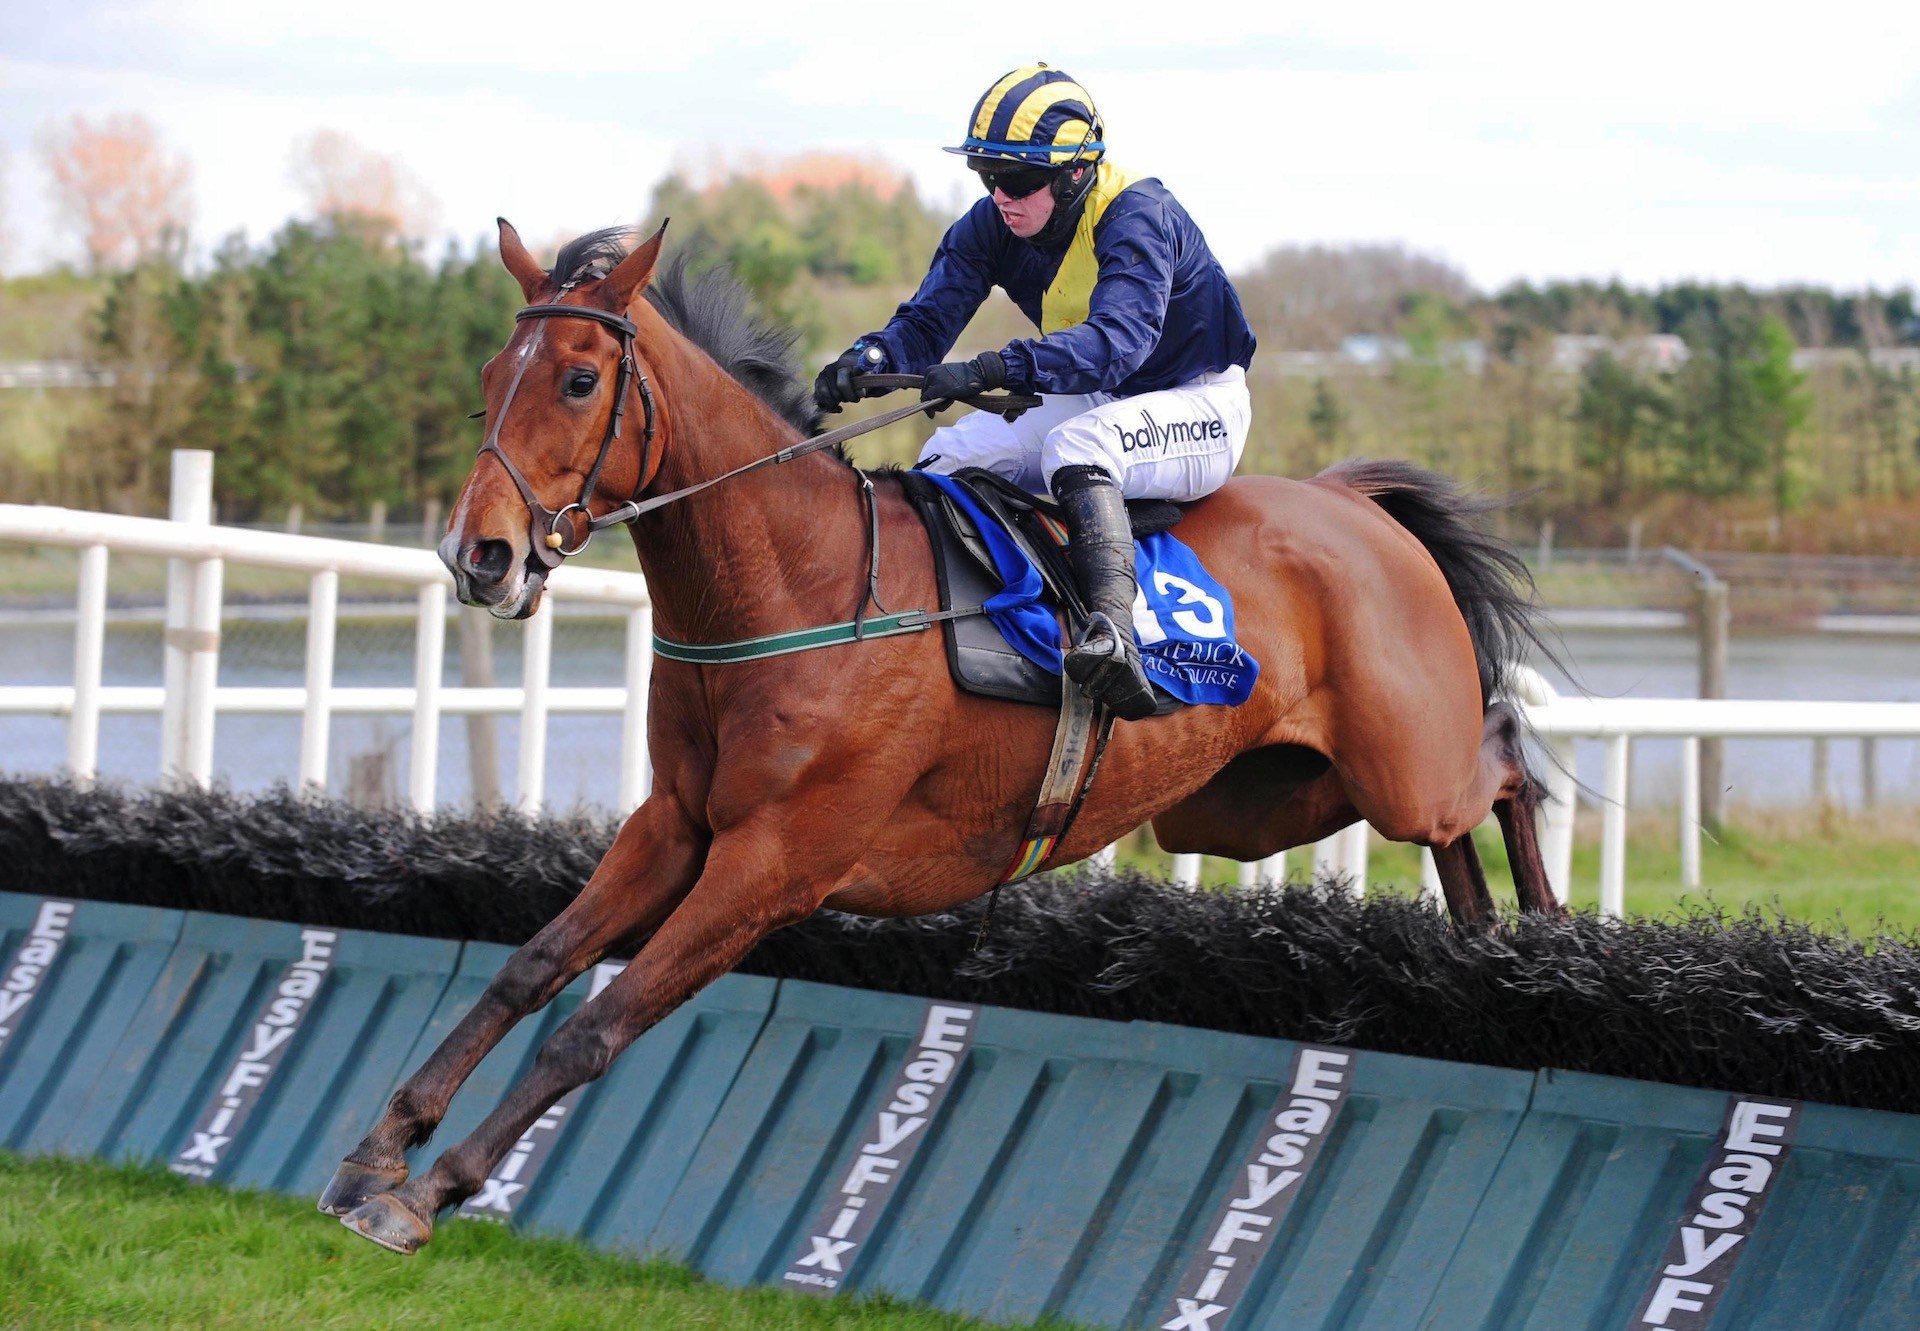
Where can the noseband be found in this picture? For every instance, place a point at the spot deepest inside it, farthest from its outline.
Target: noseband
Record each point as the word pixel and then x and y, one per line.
pixel 549 543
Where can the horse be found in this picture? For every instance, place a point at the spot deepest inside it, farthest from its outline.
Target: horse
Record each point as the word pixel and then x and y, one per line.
pixel 859 778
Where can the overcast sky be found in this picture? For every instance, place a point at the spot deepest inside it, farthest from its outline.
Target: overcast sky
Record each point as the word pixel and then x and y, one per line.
pixel 1691 138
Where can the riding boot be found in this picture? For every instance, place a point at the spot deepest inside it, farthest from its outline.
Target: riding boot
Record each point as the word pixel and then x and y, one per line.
pixel 1105 662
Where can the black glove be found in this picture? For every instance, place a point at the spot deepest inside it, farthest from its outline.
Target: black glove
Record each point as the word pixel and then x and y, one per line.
pixel 965 378
pixel 834 388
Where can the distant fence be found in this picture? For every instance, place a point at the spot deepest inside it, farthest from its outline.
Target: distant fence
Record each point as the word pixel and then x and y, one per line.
pixel 189 698
pixel 996 1162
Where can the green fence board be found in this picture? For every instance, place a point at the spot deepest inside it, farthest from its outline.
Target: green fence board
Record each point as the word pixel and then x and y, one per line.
pixel 1574 1226
pixel 614 1161
pixel 1075 1168
pixel 62 1041
pixel 1079 1164
pixel 178 1052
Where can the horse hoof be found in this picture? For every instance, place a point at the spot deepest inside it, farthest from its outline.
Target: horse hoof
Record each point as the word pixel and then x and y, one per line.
pixel 387 1221
pixel 353 1184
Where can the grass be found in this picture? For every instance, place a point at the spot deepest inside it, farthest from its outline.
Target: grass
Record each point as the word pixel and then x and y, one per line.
pixel 84 1244
pixel 1825 867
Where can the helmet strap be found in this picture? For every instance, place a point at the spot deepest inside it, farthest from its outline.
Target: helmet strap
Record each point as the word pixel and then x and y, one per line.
pixel 1068 196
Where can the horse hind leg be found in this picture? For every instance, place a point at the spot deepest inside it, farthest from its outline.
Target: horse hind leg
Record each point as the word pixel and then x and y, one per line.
pixel 1518 808
pixel 1464 882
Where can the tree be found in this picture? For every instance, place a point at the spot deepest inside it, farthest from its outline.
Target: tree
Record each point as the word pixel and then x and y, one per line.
pixel 1617 417
pixel 1782 405
pixel 1326 419
pixel 1310 297
pixel 344 180
pixel 124 193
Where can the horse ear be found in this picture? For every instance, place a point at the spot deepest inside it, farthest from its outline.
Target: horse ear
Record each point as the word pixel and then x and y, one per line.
pixel 629 278
pixel 520 262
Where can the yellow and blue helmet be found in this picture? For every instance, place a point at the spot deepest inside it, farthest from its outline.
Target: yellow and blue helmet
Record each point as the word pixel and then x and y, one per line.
pixel 1035 115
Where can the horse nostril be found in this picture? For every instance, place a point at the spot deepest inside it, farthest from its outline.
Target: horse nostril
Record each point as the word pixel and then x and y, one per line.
pixel 487 561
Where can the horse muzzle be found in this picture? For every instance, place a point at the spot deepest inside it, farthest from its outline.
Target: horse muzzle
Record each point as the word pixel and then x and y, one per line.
pixel 488 576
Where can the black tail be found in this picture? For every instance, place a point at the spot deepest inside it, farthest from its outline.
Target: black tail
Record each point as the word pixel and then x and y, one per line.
pixel 1490 582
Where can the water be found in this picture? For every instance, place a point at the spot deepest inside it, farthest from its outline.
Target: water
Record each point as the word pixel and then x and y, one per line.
pixel 253 752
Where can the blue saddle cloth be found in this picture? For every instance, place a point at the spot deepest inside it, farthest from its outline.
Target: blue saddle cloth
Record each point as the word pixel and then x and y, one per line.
pixel 1182 618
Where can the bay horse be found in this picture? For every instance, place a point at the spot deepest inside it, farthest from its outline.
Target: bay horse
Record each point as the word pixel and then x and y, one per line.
pixel 859 777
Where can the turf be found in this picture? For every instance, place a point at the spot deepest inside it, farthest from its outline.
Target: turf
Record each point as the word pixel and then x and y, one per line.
pixel 84 1244
pixel 1839 872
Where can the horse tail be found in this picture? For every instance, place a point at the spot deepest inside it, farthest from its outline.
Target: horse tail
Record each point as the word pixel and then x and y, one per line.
pixel 1490 583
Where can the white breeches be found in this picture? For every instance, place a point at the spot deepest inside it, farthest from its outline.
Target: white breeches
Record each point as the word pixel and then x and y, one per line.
pixel 1179 443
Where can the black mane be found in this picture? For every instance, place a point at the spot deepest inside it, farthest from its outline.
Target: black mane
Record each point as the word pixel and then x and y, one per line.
pixel 711 308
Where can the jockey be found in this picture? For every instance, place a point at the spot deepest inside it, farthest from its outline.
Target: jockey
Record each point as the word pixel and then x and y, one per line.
pixel 1141 362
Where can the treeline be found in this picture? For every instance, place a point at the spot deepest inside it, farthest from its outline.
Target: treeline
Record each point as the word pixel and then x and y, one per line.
pixel 330 368
pixel 1578 392
pixel 333 366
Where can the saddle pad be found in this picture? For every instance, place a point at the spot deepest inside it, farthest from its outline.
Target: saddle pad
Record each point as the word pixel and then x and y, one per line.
pixel 1013 653
pixel 978 657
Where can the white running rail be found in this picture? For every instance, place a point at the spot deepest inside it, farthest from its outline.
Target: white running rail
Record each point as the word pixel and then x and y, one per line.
pixel 190 698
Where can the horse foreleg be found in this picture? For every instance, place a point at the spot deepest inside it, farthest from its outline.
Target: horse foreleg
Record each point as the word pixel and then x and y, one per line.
pixel 645 873
pixel 735 904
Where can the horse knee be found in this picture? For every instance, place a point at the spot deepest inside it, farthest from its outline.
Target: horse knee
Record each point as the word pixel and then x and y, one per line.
pixel 526 982
pixel 580 1051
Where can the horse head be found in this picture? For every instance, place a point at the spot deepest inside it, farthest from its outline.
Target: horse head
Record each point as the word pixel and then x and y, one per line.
pixel 569 422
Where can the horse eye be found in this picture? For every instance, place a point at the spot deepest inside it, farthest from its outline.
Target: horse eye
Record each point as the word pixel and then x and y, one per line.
pixel 581 383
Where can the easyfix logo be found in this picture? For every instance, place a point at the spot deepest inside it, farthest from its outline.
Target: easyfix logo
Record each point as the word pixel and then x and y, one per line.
pixel 899 1128
pixel 32 962
pixel 514 1176
pixel 1218 1277
pixel 1719 1215
pixel 222 1120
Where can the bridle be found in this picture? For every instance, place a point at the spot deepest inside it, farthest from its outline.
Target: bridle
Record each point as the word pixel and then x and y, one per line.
pixel 549 544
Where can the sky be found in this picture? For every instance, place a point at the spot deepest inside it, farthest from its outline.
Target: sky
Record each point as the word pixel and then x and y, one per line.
pixel 1652 142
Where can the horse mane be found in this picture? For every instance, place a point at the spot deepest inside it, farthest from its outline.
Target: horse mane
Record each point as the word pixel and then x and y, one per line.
pixel 711 308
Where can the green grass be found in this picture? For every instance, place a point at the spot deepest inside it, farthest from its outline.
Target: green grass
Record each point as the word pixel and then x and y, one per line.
pixel 91 1245
pixel 1829 869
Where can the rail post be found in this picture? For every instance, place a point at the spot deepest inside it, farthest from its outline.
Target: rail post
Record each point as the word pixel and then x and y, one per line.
pixel 89 648
pixel 429 656
pixel 536 668
pixel 192 641
pixel 1712 614
pixel 635 771
pixel 316 720
pixel 1690 813
pixel 483 732
pixel 1613 830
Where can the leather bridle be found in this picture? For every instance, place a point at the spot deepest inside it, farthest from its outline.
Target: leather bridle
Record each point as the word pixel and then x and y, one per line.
pixel 549 545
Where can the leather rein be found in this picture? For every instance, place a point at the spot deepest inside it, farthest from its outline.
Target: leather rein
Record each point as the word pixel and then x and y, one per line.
pixel 550 545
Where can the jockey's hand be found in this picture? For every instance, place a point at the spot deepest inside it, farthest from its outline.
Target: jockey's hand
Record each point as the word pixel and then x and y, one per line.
pixel 964 378
pixel 833 389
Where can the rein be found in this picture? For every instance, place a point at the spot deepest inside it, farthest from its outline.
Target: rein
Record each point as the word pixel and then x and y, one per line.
pixel 549 543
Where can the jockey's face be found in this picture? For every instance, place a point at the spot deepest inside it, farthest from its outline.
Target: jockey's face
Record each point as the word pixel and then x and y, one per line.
pixel 1025 217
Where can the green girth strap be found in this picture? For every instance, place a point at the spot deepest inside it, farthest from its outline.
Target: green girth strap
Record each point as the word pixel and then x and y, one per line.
pixel 800 640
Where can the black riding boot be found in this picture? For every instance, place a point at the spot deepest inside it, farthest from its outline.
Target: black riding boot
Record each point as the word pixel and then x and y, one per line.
pixel 1105 663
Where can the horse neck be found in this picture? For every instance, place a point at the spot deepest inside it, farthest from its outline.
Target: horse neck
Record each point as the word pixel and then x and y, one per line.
pixel 779 548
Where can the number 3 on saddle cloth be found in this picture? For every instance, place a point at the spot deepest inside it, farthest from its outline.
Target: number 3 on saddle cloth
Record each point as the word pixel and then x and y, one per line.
pixel 1183 618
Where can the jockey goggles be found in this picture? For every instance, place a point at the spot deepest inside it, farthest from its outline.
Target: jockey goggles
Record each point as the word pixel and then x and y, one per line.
pixel 1016 180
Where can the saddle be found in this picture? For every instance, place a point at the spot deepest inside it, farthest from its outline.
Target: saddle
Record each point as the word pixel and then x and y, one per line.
pixel 978 657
